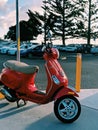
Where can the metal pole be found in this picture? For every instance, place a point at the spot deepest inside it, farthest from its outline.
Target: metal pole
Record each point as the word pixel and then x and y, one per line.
pixel 63 37
pixel 89 24
pixel 1 96
pixel 45 24
pixel 17 31
pixel 78 72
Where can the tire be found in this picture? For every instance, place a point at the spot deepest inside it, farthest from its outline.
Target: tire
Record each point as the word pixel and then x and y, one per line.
pixel 67 109
pixel 30 55
pixel 85 51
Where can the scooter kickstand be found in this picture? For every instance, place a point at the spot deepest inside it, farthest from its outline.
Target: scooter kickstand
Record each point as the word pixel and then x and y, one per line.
pixel 21 103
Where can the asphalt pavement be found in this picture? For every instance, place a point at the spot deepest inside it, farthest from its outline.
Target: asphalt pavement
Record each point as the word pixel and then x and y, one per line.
pixel 68 63
pixel 41 117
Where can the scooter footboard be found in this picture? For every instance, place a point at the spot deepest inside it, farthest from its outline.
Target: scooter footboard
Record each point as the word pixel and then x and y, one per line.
pixel 65 91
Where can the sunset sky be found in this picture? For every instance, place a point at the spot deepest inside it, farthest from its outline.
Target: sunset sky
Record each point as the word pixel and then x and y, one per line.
pixel 8 12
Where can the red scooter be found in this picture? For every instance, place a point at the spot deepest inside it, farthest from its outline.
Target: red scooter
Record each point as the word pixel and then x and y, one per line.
pixel 17 83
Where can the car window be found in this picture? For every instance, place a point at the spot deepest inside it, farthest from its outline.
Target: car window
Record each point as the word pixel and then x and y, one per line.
pixel 37 48
pixel 71 45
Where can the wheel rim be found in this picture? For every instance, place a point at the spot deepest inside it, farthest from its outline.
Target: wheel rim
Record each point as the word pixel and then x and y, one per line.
pixel 68 109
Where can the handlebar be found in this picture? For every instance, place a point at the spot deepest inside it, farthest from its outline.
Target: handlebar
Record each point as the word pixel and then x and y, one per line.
pixel 46 47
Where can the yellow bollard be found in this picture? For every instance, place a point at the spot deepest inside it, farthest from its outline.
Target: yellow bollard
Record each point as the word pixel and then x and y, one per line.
pixel 1 96
pixel 78 72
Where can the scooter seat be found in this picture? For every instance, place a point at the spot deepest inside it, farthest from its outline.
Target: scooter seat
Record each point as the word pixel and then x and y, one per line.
pixel 20 66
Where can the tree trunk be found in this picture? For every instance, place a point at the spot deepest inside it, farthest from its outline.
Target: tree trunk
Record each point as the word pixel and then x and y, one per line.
pixel 89 24
pixel 63 36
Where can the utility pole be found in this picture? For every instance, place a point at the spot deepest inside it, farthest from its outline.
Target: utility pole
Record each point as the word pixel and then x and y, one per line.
pixel 45 23
pixel 63 37
pixel 89 24
pixel 17 31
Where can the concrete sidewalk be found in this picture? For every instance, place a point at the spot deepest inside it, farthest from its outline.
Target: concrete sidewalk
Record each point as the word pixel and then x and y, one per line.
pixel 41 117
pixel 89 98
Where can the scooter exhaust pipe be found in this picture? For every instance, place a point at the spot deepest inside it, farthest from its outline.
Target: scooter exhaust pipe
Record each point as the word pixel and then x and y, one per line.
pixel 5 93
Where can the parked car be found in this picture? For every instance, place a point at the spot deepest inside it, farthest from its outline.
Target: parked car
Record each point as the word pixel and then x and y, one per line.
pixel 32 51
pixel 59 47
pixel 85 48
pixel 70 48
pixel 13 51
pixel 5 49
pixel 94 50
pixel 4 43
pixel 25 52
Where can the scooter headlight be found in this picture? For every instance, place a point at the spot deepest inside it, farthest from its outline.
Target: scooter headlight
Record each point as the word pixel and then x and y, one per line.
pixel 55 53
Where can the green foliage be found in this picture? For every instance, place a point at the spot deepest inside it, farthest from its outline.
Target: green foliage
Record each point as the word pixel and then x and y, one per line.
pixel 29 30
pixel 66 17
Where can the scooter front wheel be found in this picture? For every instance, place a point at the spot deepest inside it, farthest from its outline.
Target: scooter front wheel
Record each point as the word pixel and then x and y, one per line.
pixel 67 109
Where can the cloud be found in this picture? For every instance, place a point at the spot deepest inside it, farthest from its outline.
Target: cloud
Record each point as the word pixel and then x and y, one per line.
pixel 7 16
pixel 6 7
pixel 7 21
pixel 33 5
pixel 8 12
pixel 2 6
pixel 3 2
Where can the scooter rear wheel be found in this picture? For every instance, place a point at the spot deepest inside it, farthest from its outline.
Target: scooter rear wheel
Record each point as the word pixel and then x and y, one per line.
pixel 67 109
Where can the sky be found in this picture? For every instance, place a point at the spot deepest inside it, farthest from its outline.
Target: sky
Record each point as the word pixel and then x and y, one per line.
pixel 8 12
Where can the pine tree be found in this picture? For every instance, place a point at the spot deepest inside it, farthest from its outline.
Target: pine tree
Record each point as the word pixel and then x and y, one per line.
pixel 91 20
pixel 67 16
pixel 29 30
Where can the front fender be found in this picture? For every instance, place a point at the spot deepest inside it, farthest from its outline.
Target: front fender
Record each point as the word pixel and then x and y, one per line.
pixel 65 91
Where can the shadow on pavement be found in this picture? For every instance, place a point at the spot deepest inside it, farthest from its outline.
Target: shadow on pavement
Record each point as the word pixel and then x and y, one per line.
pixel 85 121
pixel 14 110
pixel 2 105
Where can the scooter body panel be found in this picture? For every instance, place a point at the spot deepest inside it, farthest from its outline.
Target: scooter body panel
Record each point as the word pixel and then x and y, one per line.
pixel 10 78
pixel 21 85
pixel 17 81
pixel 65 91
pixel 24 84
pixel 55 75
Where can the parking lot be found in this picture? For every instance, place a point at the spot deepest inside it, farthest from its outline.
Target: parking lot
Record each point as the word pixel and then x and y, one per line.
pixel 37 117
pixel 33 116
pixel 68 62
